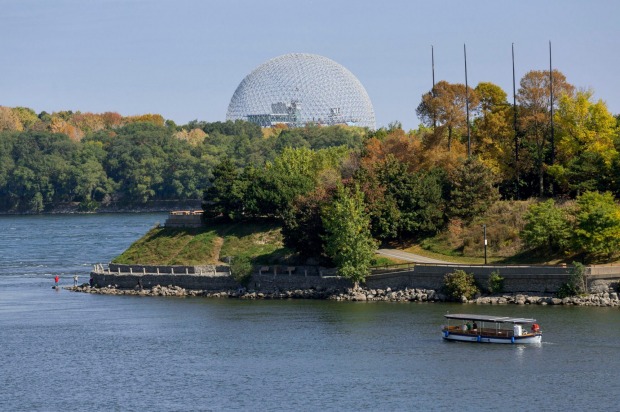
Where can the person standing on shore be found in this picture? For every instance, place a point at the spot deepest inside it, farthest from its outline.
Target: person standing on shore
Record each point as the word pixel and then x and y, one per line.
pixel 56 279
pixel 75 280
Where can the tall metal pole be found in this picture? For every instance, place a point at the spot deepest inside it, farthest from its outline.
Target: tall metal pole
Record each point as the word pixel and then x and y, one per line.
pixel 433 89
pixel 514 112
pixel 467 104
pixel 433 63
pixel 551 105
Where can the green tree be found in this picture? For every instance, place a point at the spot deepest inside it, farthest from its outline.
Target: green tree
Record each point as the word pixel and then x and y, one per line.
pixel 597 224
pixel 471 189
pixel 348 241
pixel 295 172
pixel 302 228
pixel 417 197
pixel 547 227
pixel 221 196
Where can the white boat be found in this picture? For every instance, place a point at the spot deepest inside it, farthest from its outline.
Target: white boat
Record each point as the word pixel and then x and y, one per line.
pixel 491 329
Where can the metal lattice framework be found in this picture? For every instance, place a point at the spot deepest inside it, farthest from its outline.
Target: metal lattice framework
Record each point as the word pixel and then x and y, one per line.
pixel 297 89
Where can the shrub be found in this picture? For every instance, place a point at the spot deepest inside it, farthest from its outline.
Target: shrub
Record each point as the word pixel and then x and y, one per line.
pixel 241 270
pixel 459 284
pixel 576 282
pixel 496 283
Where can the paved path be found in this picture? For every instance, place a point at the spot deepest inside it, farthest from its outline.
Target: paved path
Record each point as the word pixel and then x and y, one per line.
pixel 409 257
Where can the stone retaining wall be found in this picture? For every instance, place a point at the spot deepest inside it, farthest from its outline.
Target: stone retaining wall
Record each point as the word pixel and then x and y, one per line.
pixel 148 281
pixel 517 279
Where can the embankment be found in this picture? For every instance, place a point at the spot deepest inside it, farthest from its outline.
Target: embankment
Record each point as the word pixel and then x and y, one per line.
pixel 420 282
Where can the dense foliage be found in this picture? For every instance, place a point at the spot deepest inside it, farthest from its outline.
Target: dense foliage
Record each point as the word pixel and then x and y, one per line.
pixel 411 185
pixel 459 284
pixel 590 226
pixel 132 160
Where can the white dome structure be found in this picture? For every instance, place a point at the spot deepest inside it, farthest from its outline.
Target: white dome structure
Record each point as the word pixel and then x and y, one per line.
pixel 298 89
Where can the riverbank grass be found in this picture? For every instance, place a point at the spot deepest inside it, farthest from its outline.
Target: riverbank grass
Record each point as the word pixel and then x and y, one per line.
pixel 215 243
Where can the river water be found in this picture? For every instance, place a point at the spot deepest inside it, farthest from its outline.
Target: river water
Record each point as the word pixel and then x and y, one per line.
pixel 63 351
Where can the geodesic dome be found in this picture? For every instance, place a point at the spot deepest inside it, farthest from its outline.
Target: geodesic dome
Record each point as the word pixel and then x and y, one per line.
pixel 297 89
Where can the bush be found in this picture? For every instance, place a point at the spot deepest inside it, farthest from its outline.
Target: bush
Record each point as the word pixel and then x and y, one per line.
pixel 459 284
pixel 241 270
pixel 496 283
pixel 576 282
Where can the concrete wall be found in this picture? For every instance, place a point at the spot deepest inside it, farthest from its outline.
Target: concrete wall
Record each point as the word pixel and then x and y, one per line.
pixel 184 220
pixel 177 270
pixel 517 279
pixel 538 279
pixel 193 282
pixel 602 277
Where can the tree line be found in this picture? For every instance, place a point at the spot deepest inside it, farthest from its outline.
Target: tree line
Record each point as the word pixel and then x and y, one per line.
pixel 132 160
pixel 384 185
pixel 410 185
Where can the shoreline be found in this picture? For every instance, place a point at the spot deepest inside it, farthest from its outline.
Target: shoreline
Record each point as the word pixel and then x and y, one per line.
pixel 73 208
pixel 602 299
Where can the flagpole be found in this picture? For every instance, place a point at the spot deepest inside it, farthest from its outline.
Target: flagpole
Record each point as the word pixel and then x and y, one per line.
pixel 467 104
pixel 514 112
pixel 433 89
pixel 551 105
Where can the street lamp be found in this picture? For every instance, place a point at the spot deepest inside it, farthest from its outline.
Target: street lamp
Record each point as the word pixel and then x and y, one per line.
pixel 484 227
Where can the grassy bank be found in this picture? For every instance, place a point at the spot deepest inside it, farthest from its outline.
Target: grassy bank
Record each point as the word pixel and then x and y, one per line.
pixel 261 242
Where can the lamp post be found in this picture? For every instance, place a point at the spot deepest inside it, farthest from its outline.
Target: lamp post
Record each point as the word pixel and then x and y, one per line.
pixel 484 227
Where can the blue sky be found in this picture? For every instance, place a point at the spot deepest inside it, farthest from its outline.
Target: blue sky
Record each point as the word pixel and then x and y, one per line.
pixel 184 59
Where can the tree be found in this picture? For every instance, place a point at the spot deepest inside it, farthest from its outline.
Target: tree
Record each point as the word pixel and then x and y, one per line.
pixel 9 120
pixel 27 117
pixel 348 241
pixel 493 132
pixel 295 172
pixel 302 228
pixel 417 197
pixel 220 196
pixel 444 108
pixel 584 126
pixel 597 224
pixel 547 228
pixel 586 151
pixel 534 97
pixel 471 189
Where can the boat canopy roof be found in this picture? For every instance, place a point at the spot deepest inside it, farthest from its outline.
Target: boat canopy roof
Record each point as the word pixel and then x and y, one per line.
pixel 488 318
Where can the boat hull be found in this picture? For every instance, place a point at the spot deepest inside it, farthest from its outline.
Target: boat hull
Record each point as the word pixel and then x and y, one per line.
pixel 492 339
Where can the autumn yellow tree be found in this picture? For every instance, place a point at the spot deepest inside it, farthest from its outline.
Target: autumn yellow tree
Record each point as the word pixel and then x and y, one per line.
pixel 586 131
pixel 9 120
pixel 444 109
pixel 534 97
pixel 493 132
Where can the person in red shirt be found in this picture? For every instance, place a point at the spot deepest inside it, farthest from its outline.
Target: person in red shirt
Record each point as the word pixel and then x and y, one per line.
pixel 56 279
